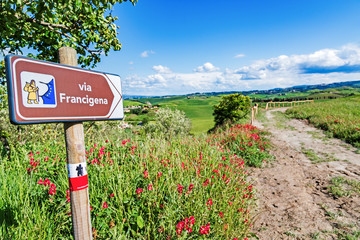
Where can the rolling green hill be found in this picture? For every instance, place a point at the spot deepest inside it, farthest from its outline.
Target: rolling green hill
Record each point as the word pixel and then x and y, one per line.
pixel 198 109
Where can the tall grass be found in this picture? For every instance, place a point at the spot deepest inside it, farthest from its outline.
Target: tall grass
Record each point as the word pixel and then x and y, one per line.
pixel 140 187
pixel 339 118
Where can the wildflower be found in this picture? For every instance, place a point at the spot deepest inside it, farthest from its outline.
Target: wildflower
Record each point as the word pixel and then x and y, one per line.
pixel 192 220
pixel 105 205
pixel 159 174
pixel 111 195
pixel 180 227
pixel 209 202
pixel 186 224
pixel 40 182
pixel 150 187
pixel 205 229
pixel 191 186
pixel 180 189
pixel 206 182
pixel 138 191
pixel 221 214
pixel 52 189
pixel 47 182
pixel 68 195
pixel 146 174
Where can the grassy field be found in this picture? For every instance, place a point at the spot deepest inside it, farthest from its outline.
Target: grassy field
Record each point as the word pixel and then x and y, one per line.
pixel 198 109
pixel 133 103
pixel 339 117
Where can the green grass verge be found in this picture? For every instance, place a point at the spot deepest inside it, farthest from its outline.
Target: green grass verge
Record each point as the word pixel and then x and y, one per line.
pixel 340 117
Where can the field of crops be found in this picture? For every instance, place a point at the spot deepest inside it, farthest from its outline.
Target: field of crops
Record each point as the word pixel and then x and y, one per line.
pixel 340 118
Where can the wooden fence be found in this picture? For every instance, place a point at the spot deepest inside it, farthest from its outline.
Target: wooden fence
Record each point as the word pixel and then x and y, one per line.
pixel 286 104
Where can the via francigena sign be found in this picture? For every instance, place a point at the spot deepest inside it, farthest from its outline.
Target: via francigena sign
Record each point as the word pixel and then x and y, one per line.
pixel 41 92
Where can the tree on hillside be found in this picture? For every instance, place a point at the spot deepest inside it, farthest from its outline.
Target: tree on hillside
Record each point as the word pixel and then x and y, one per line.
pixel 45 26
pixel 231 108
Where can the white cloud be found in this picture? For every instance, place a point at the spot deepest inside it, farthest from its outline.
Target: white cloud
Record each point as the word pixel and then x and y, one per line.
pixel 206 67
pixel 322 66
pixel 239 55
pixel 146 53
pixel 131 62
pixel 161 69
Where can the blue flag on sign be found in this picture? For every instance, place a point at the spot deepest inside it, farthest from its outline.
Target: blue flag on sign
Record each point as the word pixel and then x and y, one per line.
pixel 49 96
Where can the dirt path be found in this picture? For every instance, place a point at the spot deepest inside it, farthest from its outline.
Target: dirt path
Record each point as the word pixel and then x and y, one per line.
pixel 294 196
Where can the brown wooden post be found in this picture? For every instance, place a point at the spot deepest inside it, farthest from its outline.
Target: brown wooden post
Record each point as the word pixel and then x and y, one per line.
pixel 75 149
pixel 252 116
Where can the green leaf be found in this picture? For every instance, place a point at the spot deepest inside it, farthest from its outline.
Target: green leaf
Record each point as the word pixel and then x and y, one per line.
pixel 140 222
pixel 78 3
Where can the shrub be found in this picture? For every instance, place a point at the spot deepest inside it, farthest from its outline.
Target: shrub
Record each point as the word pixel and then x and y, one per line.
pixel 231 108
pixel 168 123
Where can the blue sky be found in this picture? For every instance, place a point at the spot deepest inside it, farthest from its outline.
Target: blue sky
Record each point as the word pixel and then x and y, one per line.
pixel 179 47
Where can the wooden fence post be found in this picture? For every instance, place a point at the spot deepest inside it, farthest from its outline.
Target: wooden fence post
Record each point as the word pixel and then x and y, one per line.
pixel 75 149
pixel 252 115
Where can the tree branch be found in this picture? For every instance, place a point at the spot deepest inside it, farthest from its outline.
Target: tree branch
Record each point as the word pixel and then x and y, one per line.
pixel 52 27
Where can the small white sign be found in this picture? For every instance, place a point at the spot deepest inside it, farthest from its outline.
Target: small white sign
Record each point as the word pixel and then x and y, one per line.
pixel 77 170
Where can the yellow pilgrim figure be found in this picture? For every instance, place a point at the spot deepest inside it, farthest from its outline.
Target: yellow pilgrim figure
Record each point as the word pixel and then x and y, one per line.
pixel 33 92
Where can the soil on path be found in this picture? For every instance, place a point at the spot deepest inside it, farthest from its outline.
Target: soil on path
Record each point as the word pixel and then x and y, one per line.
pixel 293 192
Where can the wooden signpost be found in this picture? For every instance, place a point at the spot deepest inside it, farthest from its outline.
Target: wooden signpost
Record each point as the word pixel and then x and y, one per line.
pixel 43 92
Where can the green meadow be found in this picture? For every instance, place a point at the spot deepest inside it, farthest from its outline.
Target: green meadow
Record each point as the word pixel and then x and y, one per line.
pixel 198 109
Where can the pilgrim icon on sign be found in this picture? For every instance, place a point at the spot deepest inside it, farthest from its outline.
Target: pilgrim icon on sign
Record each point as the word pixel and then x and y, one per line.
pixel 33 91
pixel 38 90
